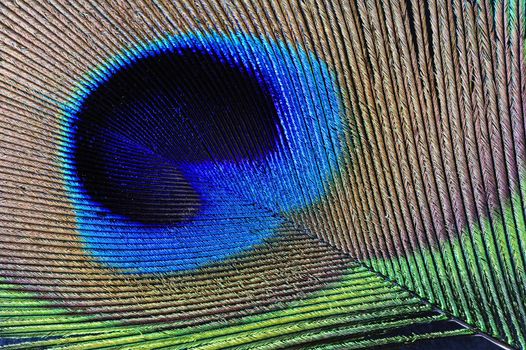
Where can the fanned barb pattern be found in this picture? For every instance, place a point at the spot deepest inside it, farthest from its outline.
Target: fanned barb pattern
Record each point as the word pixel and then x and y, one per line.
pixel 299 174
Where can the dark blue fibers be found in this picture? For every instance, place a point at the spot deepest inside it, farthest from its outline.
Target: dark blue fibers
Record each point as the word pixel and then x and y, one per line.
pixel 136 130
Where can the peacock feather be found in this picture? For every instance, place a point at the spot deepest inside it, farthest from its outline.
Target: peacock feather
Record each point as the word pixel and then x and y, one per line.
pixel 209 174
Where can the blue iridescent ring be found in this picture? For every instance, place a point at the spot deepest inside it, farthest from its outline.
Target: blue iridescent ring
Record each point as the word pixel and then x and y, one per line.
pixel 294 175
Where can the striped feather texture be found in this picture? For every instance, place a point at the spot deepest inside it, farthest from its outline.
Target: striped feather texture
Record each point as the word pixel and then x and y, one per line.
pixel 263 174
